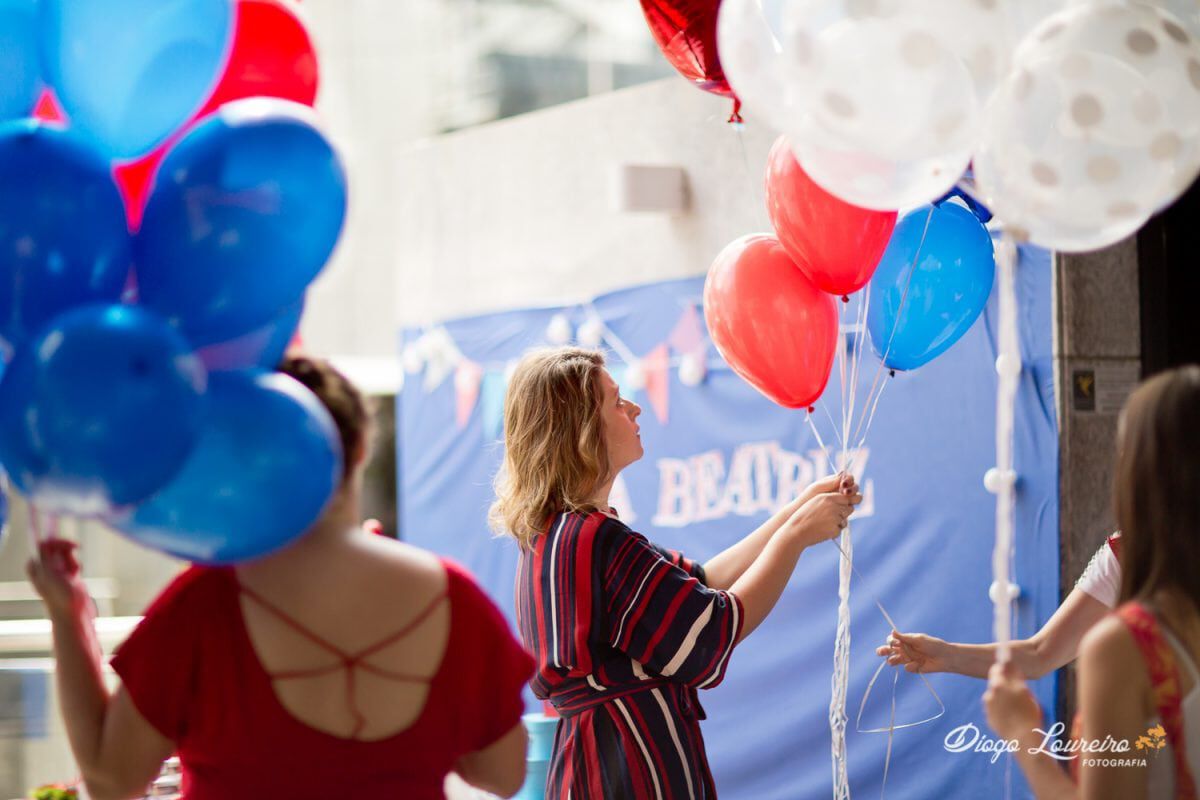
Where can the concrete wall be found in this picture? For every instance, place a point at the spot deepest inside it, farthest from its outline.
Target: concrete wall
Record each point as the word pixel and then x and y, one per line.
pixel 520 212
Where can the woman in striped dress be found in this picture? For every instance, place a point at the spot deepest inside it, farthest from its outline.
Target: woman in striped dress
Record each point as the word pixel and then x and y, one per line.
pixel 623 631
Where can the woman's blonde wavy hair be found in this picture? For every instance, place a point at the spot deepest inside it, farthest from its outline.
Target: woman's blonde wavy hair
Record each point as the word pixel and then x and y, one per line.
pixel 555 453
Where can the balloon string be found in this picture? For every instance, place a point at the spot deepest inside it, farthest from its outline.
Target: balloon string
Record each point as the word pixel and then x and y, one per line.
pixel 841 357
pixel 739 131
pixel 887 616
pixel 864 307
pixel 903 301
pixel 832 425
pixel 870 417
pixel 820 441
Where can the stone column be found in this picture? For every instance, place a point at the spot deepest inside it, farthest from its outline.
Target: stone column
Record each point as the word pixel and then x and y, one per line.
pixel 1097 355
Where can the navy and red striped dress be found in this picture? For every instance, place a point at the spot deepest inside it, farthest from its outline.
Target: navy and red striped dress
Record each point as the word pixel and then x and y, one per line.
pixel 624 633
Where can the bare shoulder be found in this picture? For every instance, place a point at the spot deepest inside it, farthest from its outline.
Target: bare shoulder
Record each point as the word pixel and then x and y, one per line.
pixel 1107 638
pixel 413 567
pixel 1109 654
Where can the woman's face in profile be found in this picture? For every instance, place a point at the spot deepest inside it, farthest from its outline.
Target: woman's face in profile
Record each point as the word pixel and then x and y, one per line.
pixel 621 430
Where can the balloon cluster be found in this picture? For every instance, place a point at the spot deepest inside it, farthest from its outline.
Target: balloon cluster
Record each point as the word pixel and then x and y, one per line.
pixel 1081 117
pixel 771 301
pixel 155 249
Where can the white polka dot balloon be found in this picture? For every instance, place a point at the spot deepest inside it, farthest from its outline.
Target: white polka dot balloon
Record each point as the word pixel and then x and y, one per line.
pixel 1097 127
pixel 1186 11
pixel 752 58
pixel 890 113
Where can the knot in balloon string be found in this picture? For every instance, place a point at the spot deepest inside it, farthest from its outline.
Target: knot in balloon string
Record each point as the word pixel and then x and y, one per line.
pixel 891 373
pixel 736 117
pixel 845 298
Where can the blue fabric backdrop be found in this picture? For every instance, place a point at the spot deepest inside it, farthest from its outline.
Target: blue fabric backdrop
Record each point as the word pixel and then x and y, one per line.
pixel 923 539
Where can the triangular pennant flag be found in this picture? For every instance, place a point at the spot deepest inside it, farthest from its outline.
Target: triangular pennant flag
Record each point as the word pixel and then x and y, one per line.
pixel 466 390
pixel 656 366
pixel 688 334
pixel 441 357
pixel 491 403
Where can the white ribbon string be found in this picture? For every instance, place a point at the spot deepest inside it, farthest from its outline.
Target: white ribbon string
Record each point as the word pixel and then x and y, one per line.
pixel 900 310
pixel 1008 367
pixel 840 681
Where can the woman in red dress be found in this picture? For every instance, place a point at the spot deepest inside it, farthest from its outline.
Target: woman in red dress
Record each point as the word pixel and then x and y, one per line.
pixel 346 665
pixel 625 632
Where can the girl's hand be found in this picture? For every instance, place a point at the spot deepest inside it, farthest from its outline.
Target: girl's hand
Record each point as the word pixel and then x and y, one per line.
pixel 1012 710
pixel 916 652
pixel 56 577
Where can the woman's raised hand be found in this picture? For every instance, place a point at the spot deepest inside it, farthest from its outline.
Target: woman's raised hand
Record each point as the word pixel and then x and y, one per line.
pixel 841 482
pixel 56 576
pixel 824 514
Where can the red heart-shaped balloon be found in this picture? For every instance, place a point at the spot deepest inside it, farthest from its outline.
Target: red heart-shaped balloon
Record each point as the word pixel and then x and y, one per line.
pixel 770 322
pixel 686 32
pixel 838 245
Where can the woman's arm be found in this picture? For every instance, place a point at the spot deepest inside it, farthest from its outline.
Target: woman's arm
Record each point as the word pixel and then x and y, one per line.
pixel 761 584
pixel 1014 714
pixel 1114 700
pixel 1047 650
pixel 722 570
pixel 118 752
pixel 498 768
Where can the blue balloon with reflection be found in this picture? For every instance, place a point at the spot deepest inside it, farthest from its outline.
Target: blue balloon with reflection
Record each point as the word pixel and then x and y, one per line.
pixel 129 73
pixel 63 236
pixel 100 410
pixel 20 59
pixel 265 467
pixel 930 286
pixel 245 213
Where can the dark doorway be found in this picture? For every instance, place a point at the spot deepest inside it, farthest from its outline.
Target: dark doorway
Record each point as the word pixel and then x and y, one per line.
pixel 1169 278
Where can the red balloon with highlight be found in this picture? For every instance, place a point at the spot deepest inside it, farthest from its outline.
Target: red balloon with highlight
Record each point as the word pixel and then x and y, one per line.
pixel 686 32
pixel 769 322
pixel 838 245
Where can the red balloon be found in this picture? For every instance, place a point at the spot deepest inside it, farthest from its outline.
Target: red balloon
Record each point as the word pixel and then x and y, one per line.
pixel 838 245
pixel 47 108
pixel 686 32
pixel 774 327
pixel 272 56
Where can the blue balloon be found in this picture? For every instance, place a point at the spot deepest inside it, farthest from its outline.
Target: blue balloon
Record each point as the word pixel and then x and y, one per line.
pixel 263 348
pixel 930 286
pixel 260 476
pixel 129 73
pixel 63 240
pixel 20 59
pixel 245 213
pixel 100 410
